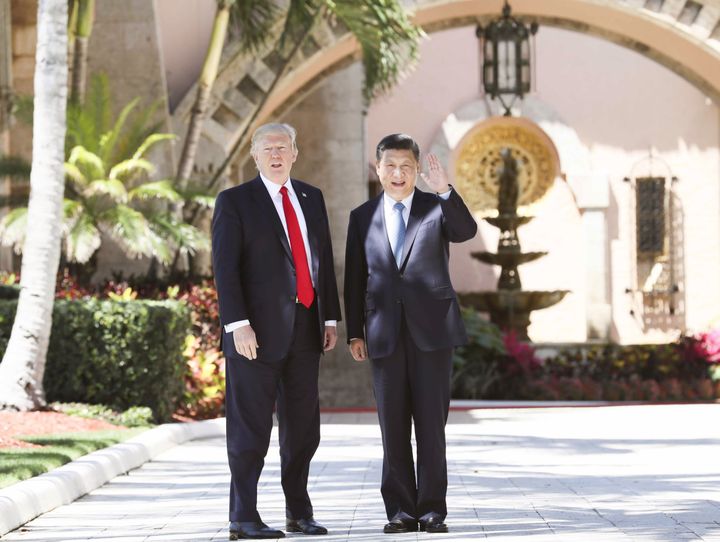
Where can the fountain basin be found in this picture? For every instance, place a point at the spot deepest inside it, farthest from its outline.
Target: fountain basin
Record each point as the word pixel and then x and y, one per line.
pixel 510 309
pixel 507 259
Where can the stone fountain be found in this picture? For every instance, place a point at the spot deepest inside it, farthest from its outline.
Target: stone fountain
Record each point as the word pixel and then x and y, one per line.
pixel 510 306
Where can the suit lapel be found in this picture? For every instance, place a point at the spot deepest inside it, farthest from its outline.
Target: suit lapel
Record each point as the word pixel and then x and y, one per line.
pixel 312 225
pixel 262 197
pixel 421 203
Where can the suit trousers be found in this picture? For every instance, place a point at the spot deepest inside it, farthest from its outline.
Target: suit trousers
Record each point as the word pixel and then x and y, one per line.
pixel 252 389
pixel 413 386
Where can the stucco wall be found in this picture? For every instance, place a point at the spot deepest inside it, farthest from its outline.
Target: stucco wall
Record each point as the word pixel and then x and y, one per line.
pixel 621 106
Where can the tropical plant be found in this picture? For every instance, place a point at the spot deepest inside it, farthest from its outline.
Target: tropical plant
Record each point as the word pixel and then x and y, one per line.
pixel 109 188
pixel 23 364
pixel 388 40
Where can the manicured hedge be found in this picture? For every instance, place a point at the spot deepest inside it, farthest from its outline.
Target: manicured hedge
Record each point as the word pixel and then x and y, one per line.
pixel 117 353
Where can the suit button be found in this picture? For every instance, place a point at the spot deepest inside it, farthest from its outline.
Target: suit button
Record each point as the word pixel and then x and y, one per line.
pixel 398 301
pixel 402 275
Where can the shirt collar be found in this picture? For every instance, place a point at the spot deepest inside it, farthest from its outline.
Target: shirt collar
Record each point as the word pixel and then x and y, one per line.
pixel 274 188
pixel 390 202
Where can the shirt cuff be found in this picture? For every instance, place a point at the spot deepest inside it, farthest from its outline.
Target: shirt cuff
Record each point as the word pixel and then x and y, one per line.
pixel 446 195
pixel 232 326
pixel 332 323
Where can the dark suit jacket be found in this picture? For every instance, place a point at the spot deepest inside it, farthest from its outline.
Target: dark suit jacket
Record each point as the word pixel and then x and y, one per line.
pixel 254 269
pixel 376 290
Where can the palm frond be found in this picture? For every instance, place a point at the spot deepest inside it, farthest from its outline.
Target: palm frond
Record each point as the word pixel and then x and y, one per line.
pixel 73 173
pixel 108 187
pixel 138 127
pixel 127 169
pixel 109 138
pixel 82 240
pixel 252 22
pixel 99 103
pixel 184 237
pixel 388 39
pixel 13 228
pixel 89 163
pixel 199 194
pixel 130 229
pixel 163 190
pixel 71 210
pixel 151 140
pixel 88 121
pixel 14 167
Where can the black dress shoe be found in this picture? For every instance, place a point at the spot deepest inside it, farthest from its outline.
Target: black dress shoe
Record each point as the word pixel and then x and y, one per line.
pixel 433 524
pixel 397 525
pixel 304 526
pixel 241 530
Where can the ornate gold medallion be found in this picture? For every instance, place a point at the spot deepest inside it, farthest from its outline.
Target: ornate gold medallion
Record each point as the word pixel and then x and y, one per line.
pixel 477 161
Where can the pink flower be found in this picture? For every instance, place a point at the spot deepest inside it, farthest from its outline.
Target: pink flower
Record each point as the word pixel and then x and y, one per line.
pixel 521 351
pixel 707 345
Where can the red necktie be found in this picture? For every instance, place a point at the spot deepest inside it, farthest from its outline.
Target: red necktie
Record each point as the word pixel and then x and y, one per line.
pixel 305 291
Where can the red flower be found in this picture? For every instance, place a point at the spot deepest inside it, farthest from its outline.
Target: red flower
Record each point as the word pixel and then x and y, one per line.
pixel 707 346
pixel 521 352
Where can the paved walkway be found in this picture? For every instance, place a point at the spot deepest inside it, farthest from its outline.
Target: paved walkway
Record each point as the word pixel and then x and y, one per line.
pixel 544 474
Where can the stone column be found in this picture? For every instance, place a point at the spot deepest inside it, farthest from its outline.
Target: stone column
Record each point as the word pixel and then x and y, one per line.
pixel 331 127
pixel 593 199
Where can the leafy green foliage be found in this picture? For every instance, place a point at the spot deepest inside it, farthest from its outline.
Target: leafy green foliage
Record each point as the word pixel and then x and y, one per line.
pixel 495 365
pixel 476 366
pixel 109 189
pixel 387 37
pixel 120 354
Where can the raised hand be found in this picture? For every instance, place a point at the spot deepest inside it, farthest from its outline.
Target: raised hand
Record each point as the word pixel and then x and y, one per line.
pixel 435 178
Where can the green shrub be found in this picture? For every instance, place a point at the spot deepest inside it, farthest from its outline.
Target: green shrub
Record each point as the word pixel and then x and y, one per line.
pixel 115 353
pixel 477 366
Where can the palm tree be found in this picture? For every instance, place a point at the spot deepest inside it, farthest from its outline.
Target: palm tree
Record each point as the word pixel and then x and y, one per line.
pixel 387 38
pixel 109 191
pixel 23 365
pixel 81 24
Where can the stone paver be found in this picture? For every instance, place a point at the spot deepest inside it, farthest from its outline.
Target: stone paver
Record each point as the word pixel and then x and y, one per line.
pixel 622 473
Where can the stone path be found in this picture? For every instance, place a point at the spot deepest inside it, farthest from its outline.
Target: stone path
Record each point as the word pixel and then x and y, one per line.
pixel 615 473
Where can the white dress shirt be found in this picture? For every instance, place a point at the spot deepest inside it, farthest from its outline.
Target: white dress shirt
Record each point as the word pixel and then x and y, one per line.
pixel 276 197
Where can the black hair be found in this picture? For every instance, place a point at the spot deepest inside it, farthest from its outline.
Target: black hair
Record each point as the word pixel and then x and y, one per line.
pixel 397 142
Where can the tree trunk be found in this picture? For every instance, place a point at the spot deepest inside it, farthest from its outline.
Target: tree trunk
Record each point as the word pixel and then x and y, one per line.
pixel 23 365
pixel 82 23
pixel 205 85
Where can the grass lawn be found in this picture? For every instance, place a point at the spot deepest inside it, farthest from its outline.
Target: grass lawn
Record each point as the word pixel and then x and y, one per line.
pixel 18 464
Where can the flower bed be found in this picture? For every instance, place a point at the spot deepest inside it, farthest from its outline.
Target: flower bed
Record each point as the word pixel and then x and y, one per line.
pixel 496 365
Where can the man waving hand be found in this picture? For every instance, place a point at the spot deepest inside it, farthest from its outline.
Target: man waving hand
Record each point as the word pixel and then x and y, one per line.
pixel 402 312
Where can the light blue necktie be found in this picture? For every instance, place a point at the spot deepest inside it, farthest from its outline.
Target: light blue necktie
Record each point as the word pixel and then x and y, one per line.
pixel 399 233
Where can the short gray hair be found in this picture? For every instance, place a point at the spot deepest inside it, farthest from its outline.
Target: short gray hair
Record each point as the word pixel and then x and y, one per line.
pixel 273 128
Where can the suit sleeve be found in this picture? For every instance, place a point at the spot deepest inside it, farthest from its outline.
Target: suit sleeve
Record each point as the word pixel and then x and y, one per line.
pixel 355 281
pixel 227 242
pixel 458 222
pixel 331 300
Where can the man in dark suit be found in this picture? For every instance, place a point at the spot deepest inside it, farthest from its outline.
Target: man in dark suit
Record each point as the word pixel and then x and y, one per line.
pixel 402 312
pixel 279 306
